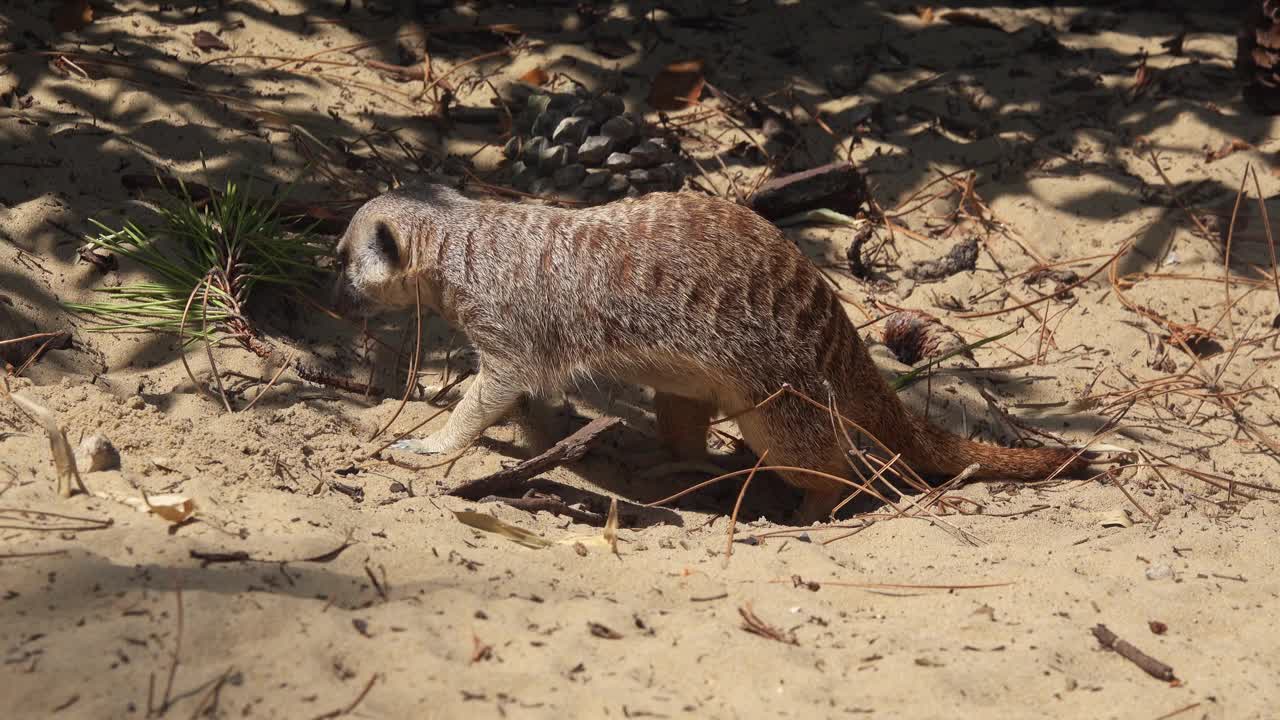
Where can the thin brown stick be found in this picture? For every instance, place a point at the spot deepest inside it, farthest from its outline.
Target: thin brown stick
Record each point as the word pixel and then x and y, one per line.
pixel 167 699
pixel 1179 711
pixel 733 519
pixel 908 586
pixel 484 56
pixel 274 378
pixel 1057 293
pixel 754 625
pixel 32 357
pixel 1124 649
pixel 208 346
pixel 1226 260
pixel 412 380
pixel 1177 197
pixel 182 353
pixel 211 694
pixel 354 703
pixel 36 336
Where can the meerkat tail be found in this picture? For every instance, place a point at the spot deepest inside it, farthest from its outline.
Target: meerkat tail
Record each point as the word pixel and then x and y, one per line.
pixel 928 449
pixel 949 454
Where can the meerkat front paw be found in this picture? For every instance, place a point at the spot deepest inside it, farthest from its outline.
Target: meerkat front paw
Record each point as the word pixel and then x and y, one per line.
pixel 430 445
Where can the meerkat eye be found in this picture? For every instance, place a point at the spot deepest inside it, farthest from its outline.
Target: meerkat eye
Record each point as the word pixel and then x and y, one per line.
pixel 386 243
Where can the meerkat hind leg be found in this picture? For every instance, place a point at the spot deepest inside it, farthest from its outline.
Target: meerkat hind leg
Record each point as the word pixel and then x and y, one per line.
pixel 682 424
pixel 489 397
pixel 804 447
pixel 541 422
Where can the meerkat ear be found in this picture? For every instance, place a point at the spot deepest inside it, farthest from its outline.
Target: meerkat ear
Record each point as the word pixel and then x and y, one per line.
pixel 386 243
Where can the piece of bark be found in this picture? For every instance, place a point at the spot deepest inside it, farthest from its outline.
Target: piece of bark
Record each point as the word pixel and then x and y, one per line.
pixel 1150 665
pixel 962 257
pixel 838 186
pixel 534 501
pixel 568 450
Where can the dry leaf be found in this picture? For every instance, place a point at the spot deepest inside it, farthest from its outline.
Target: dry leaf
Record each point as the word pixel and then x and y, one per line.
pixel 1141 79
pixel 489 523
pixel 207 41
pixel 536 76
pixel 1115 518
pixel 64 460
pixel 72 15
pixel 1227 148
pixel 678 86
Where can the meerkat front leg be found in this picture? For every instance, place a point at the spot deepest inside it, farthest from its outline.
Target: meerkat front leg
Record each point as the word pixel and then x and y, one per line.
pixel 490 396
pixel 683 424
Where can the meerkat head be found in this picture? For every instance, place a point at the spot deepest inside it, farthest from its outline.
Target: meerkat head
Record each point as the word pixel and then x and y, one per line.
pixel 378 262
pixel 370 259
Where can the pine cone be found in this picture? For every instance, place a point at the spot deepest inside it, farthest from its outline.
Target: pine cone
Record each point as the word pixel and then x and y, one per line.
pixel 1258 55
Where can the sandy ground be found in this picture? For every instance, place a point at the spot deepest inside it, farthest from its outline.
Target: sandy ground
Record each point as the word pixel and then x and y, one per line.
pixel 382 604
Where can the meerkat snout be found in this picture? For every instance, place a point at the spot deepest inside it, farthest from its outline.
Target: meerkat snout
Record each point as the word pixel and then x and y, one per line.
pixel 369 260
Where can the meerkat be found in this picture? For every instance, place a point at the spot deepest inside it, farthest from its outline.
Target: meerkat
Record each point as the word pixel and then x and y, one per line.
pixel 701 299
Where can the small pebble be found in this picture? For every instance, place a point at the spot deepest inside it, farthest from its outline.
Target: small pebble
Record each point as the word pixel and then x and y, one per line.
pixel 1159 572
pixel 97 453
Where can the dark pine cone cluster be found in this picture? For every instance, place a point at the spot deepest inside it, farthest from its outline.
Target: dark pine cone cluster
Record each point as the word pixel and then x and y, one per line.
pixel 585 147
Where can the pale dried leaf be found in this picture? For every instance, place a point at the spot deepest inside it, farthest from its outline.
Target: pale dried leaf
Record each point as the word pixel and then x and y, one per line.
pixel 489 523
pixel 64 460
pixel 172 507
pixel 1115 518
pixel 611 526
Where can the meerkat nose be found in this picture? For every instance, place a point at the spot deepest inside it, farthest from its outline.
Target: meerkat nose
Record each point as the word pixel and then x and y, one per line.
pixel 340 298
